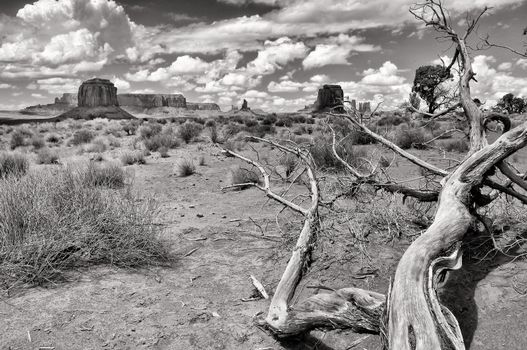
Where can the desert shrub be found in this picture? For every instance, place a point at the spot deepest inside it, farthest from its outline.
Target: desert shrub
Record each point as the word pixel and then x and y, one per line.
pixel 408 138
pixel 81 137
pixel 322 152
pixel 456 145
pixel 269 119
pixel 98 145
pixel 185 167
pixel 262 130
pixel 310 121
pixel 288 162
pixel 133 157
pixel 244 176
pixel 300 130
pixel 37 141
pixel 53 222
pixel 47 156
pixel 358 137
pixel 391 120
pixel 189 130
pixel 230 130
pixel 250 123
pixel 149 130
pixel 18 139
pixel 284 121
pixel 213 133
pixel 113 142
pixel 163 152
pixel 109 175
pixel 156 142
pixel 53 138
pixel 13 164
pixel 210 123
pixel 299 118
pixel 130 127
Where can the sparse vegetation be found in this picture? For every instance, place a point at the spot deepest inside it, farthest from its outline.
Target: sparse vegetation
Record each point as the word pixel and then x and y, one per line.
pixel 240 176
pixel 81 137
pixel 47 156
pixel 53 222
pixel 13 164
pixel 133 157
pixel 185 167
pixel 109 175
pixel 189 130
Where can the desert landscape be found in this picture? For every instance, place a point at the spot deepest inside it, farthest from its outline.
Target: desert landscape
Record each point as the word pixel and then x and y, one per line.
pixel 155 219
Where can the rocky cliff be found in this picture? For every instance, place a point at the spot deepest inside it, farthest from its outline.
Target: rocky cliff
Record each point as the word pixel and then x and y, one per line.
pixel 152 100
pixel 203 107
pixel 67 99
pixel 328 97
pixel 97 93
pixel 97 98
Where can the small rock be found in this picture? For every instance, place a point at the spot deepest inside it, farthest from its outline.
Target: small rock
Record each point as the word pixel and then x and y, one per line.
pixel 199 215
pixel 191 206
pixel 224 216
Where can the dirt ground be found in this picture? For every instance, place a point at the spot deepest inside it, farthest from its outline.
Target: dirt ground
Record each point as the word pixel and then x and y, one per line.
pixel 221 238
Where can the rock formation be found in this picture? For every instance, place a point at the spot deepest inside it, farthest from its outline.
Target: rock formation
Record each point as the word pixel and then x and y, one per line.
pixel 330 96
pixel 203 107
pixel 67 99
pixel 245 106
pixel 147 101
pixel 97 93
pixel 97 98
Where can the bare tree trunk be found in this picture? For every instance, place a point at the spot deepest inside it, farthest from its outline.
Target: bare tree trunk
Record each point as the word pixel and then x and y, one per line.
pixel 416 318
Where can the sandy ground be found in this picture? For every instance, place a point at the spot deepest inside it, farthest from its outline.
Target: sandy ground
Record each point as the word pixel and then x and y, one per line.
pixel 196 304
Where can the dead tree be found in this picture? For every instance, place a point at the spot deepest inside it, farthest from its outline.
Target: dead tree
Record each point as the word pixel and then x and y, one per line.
pixel 410 316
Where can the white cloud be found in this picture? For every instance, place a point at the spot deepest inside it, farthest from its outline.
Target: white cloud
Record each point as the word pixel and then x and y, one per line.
pixel 325 55
pixel 505 66
pixel 74 47
pixel 276 54
pixel 522 62
pixel 385 75
pixel 58 86
pixel 121 84
pixel 284 86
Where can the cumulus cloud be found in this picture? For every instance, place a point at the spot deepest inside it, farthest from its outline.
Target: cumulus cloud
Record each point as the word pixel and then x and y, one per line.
pixel 335 50
pixel 385 75
pixel 493 84
pixel 284 86
pixel 276 54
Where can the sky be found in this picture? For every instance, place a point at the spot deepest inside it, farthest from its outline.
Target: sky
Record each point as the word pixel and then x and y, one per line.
pixel 274 53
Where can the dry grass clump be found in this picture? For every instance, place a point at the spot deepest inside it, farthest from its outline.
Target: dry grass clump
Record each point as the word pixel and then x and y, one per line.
pixel 240 176
pixel 53 138
pixel 37 142
pixel 98 145
pixel 185 167
pixel 411 138
pixel 81 137
pixel 149 130
pixel 109 175
pixel 53 221
pixel 456 145
pixel 163 152
pixel 133 157
pixel 47 156
pixel 322 152
pixel 13 164
pixel 19 137
pixel 156 142
pixel 189 130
